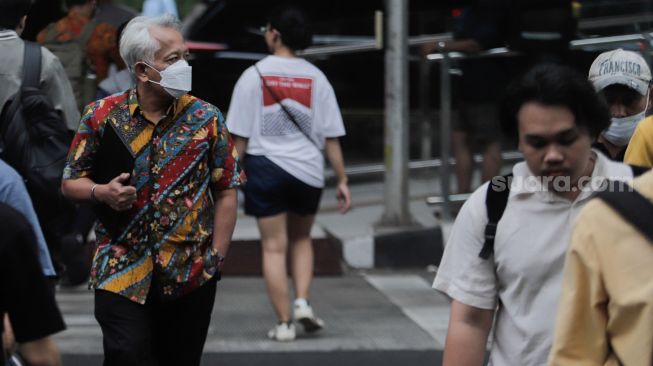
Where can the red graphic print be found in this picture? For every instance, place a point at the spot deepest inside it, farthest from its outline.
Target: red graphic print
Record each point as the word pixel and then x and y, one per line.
pixel 295 88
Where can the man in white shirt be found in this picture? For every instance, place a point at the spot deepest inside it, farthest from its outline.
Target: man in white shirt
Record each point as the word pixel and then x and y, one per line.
pixel 557 115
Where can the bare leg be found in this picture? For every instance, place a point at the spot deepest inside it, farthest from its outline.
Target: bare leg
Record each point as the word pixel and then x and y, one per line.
pixel 491 161
pixel 464 162
pixel 299 237
pixel 274 241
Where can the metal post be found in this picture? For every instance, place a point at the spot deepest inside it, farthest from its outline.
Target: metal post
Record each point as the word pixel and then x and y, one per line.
pixel 445 134
pixel 396 116
pixel 425 111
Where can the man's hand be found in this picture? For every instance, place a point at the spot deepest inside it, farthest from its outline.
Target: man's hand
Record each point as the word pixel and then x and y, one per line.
pixel 118 196
pixel 8 340
pixel 343 196
pixel 427 48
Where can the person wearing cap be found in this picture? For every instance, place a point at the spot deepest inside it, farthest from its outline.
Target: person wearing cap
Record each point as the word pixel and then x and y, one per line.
pixel 623 78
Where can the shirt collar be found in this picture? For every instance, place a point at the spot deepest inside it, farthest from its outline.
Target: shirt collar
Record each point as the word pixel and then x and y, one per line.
pixel 524 182
pixel 173 109
pixel 7 34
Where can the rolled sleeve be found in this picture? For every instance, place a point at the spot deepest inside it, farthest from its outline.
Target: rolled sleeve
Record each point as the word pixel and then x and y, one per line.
pixel 79 162
pixel 462 275
pixel 226 172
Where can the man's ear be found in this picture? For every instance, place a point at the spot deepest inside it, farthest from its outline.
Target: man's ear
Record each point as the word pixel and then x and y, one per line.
pixel 21 25
pixel 139 72
pixel 277 36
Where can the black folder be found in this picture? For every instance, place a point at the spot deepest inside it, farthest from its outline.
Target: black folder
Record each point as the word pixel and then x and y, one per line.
pixel 112 159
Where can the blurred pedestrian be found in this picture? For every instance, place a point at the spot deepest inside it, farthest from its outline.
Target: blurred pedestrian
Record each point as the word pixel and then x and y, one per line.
pixel 106 11
pixel 160 7
pixel 606 310
pixel 50 112
pixel 161 168
pixel 33 315
pixel 85 47
pixel 14 194
pixel 283 113
pixel 481 26
pixel 118 80
pixel 506 251
pixel 623 78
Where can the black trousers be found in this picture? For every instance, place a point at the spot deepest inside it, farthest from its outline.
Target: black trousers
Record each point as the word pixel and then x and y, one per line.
pixel 157 333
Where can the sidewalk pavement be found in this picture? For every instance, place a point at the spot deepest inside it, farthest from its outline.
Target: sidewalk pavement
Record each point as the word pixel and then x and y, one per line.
pixel 372 316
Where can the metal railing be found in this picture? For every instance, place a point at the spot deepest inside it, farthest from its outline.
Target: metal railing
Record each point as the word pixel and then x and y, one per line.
pixel 444 58
pixel 590 44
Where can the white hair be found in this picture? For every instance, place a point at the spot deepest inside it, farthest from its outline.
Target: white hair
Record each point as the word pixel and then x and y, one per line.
pixel 136 42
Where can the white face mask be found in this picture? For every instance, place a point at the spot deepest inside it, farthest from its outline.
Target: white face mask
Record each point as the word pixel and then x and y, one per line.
pixel 621 129
pixel 176 79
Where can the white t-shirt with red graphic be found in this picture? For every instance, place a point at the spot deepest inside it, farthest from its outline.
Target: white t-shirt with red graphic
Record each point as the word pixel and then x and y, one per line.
pixel 305 92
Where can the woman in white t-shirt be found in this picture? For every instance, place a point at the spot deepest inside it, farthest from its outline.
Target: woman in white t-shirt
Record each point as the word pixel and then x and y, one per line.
pixel 283 113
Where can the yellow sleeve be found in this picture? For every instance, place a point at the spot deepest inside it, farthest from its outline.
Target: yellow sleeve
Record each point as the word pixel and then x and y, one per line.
pixel 640 147
pixel 580 333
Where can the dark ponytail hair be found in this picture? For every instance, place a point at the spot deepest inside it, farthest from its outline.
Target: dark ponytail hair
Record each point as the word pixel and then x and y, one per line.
pixel 292 24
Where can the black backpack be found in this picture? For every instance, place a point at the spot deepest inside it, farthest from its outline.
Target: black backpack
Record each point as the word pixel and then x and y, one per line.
pixel 497 198
pixel 34 139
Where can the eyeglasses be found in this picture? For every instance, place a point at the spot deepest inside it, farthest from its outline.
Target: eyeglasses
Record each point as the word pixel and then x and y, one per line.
pixel 264 29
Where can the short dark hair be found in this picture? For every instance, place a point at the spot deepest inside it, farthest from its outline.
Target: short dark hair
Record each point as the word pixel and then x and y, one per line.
pixel 293 25
pixel 71 3
pixel 556 85
pixel 11 11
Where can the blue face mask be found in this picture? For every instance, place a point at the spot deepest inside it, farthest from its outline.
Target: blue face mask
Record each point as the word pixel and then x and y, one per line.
pixel 621 129
pixel 176 79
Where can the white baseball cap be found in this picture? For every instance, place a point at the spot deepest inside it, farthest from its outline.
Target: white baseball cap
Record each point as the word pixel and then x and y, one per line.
pixel 620 67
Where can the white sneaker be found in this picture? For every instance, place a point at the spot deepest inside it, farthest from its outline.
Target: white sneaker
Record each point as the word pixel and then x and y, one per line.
pixel 303 313
pixel 282 332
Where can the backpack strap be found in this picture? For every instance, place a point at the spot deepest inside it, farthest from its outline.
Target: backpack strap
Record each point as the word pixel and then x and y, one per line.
pixel 31 78
pixel 86 33
pixel 495 203
pixel 50 33
pixel 31 65
pixel 631 206
pixel 638 169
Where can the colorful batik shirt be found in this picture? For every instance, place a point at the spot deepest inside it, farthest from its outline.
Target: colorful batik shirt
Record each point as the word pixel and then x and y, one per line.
pixel 176 162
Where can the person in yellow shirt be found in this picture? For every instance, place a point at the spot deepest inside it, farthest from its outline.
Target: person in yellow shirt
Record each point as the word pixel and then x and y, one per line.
pixel 606 309
pixel 640 149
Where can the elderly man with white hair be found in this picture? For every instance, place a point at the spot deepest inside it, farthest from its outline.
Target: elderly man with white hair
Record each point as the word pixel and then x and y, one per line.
pixel 161 168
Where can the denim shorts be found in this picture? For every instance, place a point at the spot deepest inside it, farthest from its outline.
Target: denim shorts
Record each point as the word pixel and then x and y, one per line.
pixel 270 190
